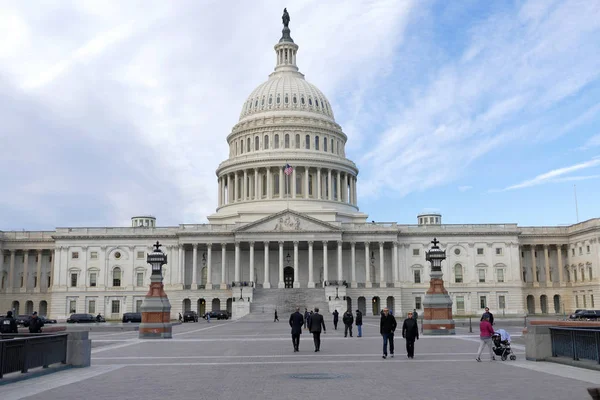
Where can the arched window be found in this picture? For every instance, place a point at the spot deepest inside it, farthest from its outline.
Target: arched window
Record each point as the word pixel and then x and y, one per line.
pixel 266 142
pixel 242 146
pixel 270 99
pixel 256 143
pixel 264 185
pixel 295 99
pixel 250 106
pixel 248 144
pixel 302 100
pixel 324 144
pixel 287 100
pixel 275 184
pixel 307 140
pixel 297 141
pixel 287 141
pixel 299 185
pixel 310 184
pixel 316 103
pixel 332 145
pixel 256 103
pixel 458 273
pixel 116 277
pixel 316 143
pixel 278 99
pixel 310 101
pixel 276 142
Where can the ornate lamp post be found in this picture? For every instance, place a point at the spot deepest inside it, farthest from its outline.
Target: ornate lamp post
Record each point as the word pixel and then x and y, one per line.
pixel 437 318
pixel 156 308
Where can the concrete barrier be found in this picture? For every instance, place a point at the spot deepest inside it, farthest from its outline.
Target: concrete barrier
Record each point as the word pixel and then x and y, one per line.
pixel 79 349
pixel 538 343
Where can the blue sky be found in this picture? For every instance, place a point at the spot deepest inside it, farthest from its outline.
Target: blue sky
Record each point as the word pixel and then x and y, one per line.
pixel 487 112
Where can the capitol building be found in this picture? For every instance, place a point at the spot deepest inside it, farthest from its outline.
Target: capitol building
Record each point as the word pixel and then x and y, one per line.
pixel 287 230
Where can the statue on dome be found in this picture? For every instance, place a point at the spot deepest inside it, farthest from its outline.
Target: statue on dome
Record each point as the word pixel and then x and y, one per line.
pixel 285 18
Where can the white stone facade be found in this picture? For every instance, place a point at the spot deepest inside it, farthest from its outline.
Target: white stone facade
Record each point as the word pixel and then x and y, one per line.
pixel 299 228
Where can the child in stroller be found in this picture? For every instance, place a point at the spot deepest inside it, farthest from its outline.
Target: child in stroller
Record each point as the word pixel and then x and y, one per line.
pixel 501 340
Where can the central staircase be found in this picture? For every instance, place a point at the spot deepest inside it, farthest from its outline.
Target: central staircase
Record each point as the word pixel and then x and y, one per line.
pixel 285 301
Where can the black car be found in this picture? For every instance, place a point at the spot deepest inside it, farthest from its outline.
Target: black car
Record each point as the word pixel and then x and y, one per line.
pixel 132 317
pixel 586 315
pixel 190 316
pixel 22 320
pixel 81 319
pixel 219 314
pixel 47 320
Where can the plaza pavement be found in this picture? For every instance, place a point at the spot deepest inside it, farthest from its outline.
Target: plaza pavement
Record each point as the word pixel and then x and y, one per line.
pixel 253 358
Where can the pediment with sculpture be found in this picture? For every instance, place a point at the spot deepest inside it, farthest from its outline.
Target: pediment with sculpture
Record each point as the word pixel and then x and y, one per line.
pixel 289 221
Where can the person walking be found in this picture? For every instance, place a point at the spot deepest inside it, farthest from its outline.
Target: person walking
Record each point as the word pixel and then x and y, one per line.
pixel 485 335
pixel 296 323
pixel 387 326
pixel 180 318
pixel 315 324
pixel 489 315
pixel 306 314
pixel 208 317
pixel 276 319
pixel 410 332
pixel 348 320
pixel 8 324
pixel 359 323
pixel 336 316
pixel 35 323
pixel 415 314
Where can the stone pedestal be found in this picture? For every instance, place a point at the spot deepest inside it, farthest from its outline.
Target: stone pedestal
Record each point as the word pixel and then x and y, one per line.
pixel 437 304
pixel 156 312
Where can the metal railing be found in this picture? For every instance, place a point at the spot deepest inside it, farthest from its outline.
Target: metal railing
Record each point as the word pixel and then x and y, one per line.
pixel 576 343
pixel 20 352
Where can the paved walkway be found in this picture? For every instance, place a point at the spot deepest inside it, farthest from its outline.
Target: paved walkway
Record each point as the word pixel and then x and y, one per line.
pixel 255 360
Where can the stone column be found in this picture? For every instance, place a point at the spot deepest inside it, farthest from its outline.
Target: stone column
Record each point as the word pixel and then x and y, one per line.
pixel 281 284
pixel 339 186
pixel 245 186
pixel 547 265
pixel 319 183
pixel 269 184
pixel 311 282
pixel 52 264
pixel 181 264
pixel 220 184
pixel 293 185
pixel 306 176
pixel 395 264
pixel 83 280
pixel 235 187
pixel 255 191
pixel 367 267
pixel 533 264
pixel 267 283
pixel 25 269
pixel 296 272
pixel 340 272
pixel 252 278
pixel 228 189
pixel 237 263
pixel 11 271
pixel 281 184
pixel 223 265
pixel 329 186
pixel 561 268
pixel 195 266
pixel 209 266
pixel 382 280
pixel 353 264
pixel 38 284
pixel 325 269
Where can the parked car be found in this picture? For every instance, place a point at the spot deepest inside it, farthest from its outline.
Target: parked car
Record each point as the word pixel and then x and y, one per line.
pixel 22 320
pixel 576 314
pixel 190 316
pixel 132 317
pixel 81 319
pixel 47 320
pixel 586 315
pixel 218 314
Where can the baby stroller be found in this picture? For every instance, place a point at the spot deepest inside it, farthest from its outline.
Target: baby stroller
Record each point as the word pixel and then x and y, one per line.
pixel 501 340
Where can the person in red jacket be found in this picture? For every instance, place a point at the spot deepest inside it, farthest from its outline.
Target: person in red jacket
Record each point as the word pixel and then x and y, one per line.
pixel 485 334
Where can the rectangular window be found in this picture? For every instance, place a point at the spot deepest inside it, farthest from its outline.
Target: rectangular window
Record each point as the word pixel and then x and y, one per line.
pixel 577 301
pixel 502 302
pixel 482 302
pixel 417 276
pixel 93 255
pixel 480 251
pixel 115 307
pixel 498 251
pixel 522 254
pixel 481 273
pixel 35 281
pixel 460 303
pixel 140 254
pixel 93 279
pixel 92 307
pixel 418 302
pixel 73 280
pixel 416 252
pixel 500 275
pixel 140 279
pixel 49 281
pixel 138 305
pixel 592 300
pixel 72 306
pixel 584 301
pixel 580 250
pixel 116 277
pixel 75 254
pixel 590 273
pixel 573 251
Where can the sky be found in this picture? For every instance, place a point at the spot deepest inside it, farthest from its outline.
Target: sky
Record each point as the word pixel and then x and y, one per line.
pixel 486 112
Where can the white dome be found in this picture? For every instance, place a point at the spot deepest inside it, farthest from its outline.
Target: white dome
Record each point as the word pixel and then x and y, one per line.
pixel 286 91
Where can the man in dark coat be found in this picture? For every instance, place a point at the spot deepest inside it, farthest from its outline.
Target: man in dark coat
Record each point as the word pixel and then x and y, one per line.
pixel 488 314
pixel 8 324
pixel 315 324
pixel 387 326
pixel 306 314
pixel 296 323
pixel 348 320
pixel 410 332
pixel 359 322
pixel 336 316
pixel 276 317
pixel 35 323
pixel 415 314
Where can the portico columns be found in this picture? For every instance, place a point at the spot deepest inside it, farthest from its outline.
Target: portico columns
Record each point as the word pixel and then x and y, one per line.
pixel 235 187
pixel 306 175
pixel 269 185
pixel 245 187
pixel 367 267
pixel 382 281
pixel 281 284
pixel 339 186
pixel 11 271
pixel 329 186
pixel 311 282
pixel 255 191
pixel 395 264
pixel 547 264
pixel 229 196
pixel 195 267
pixel 237 262
pixel 38 283
pixel 25 270
pixel 339 260
pixel 325 273
pixel 533 264
pixel 281 184
pixel 223 264
pixel 266 283
pixel 560 264
pixel 293 185
pixel 353 264
pixel 252 278
pixel 296 272
pixel 319 183
pixel 209 266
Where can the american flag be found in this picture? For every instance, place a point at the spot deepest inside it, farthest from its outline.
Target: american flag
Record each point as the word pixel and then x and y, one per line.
pixel 288 169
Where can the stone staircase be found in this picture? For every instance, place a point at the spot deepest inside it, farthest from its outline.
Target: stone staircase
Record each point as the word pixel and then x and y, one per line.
pixel 265 301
